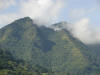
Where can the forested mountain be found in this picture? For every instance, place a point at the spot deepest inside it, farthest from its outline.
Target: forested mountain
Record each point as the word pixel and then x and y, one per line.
pixel 95 48
pixel 10 66
pixel 56 50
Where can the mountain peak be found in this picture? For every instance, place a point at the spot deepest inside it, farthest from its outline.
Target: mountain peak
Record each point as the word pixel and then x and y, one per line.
pixel 24 19
pixel 23 22
pixel 59 26
pixel 54 50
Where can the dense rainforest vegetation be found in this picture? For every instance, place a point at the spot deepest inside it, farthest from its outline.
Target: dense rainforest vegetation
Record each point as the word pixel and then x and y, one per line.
pixel 29 49
pixel 10 66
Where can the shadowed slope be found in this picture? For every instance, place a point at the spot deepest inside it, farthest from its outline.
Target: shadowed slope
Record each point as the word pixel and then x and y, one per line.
pixel 56 50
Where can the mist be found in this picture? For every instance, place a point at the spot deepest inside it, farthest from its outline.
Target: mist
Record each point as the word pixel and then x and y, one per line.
pixel 47 12
pixel 44 12
pixel 82 30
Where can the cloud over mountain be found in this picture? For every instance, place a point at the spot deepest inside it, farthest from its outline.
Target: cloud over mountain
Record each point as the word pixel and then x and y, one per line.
pixel 49 11
pixel 6 3
pixel 82 30
pixel 43 11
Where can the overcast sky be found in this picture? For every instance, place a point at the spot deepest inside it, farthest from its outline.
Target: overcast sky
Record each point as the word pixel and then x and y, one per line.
pixel 83 14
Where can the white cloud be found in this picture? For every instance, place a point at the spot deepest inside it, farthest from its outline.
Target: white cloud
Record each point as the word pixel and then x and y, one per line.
pixel 47 11
pixel 82 30
pixel 80 12
pixel 43 11
pixel 6 3
pixel 7 18
pixel 77 13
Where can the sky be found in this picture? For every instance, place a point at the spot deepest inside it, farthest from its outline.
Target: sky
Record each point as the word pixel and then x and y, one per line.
pixel 84 15
pixel 85 8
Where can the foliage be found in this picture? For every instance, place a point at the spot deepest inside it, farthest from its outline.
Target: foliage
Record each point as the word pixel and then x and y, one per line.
pixel 10 66
pixel 57 51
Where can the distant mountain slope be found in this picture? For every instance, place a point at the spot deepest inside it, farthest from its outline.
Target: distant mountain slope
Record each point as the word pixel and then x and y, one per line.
pixel 95 48
pixel 55 50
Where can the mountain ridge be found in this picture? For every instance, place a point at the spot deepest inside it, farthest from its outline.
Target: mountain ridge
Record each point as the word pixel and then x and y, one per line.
pixel 55 50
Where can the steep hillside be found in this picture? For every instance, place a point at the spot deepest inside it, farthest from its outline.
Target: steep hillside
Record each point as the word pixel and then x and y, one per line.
pixel 95 48
pixel 10 66
pixel 53 49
